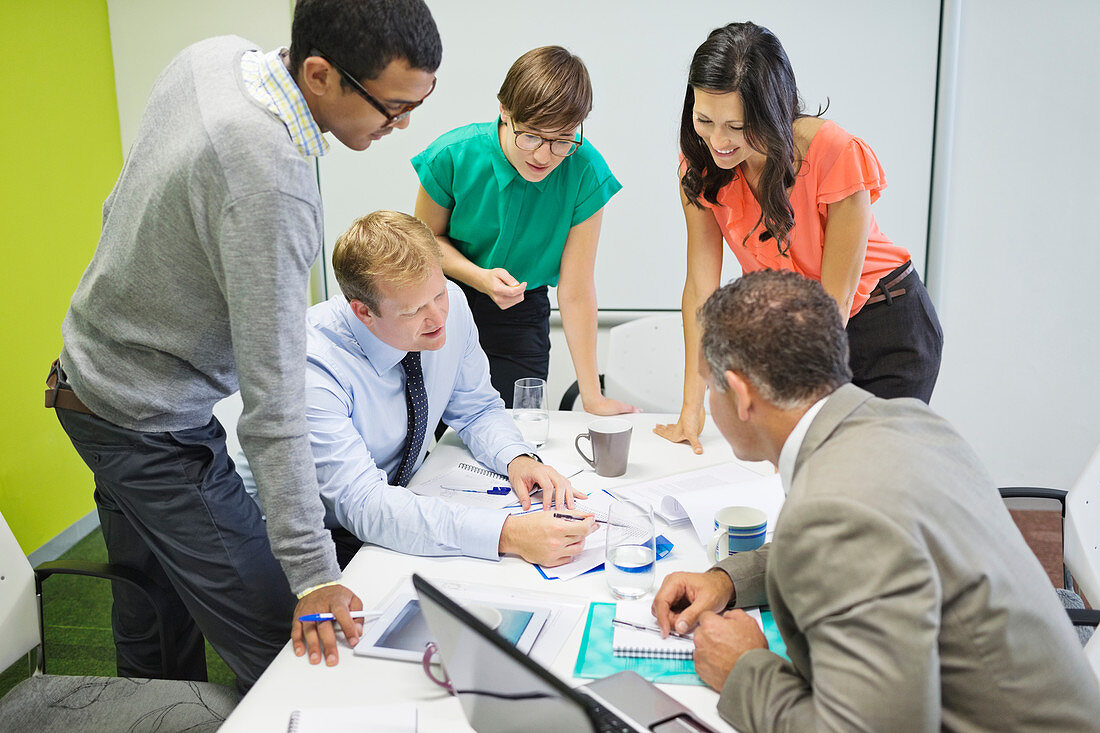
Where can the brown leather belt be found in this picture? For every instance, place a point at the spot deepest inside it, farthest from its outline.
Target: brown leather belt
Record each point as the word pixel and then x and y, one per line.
pixel 59 395
pixel 883 292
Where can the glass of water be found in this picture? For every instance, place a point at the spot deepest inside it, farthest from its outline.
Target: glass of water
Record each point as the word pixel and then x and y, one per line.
pixel 529 410
pixel 631 550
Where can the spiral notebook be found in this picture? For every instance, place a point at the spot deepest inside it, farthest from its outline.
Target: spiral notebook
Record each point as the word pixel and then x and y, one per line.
pixel 468 483
pixel 637 635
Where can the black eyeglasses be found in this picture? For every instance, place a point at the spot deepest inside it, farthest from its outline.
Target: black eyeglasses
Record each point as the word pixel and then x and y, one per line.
pixel 530 142
pixel 391 118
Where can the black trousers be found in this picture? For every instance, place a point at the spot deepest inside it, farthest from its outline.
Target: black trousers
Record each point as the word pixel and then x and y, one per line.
pixel 896 345
pixel 516 340
pixel 172 506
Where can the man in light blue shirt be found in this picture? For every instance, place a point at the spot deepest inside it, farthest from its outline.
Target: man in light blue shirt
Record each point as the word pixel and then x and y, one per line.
pixel 396 300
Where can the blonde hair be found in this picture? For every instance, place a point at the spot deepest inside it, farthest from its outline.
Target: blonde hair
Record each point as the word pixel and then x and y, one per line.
pixel 385 245
pixel 547 88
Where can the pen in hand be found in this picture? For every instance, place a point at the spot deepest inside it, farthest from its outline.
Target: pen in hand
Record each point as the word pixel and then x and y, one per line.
pixel 319 617
pixel 574 518
pixel 643 627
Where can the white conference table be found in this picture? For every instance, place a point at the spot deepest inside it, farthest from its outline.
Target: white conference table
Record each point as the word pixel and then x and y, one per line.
pixel 291 683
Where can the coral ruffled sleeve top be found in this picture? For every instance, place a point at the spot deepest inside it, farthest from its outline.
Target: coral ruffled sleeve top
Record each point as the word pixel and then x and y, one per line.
pixel 836 166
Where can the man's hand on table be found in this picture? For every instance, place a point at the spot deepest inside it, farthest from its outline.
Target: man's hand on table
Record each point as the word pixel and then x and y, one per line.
pixel 542 538
pixel 721 640
pixel 684 597
pixel 526 474
pixel 318 637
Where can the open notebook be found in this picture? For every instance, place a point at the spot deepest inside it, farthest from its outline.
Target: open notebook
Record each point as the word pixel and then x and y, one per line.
pixel 636 634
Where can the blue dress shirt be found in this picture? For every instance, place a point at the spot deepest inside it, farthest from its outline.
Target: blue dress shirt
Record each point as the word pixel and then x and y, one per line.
pixel 355 405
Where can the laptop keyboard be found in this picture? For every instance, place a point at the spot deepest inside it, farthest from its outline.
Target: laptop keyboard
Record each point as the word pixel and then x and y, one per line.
pixel 607 721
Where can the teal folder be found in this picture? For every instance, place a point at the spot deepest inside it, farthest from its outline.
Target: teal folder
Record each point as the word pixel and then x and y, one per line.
pixel 596 660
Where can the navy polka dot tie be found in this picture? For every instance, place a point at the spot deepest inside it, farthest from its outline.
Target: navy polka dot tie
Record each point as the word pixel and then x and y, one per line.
pixel 416 401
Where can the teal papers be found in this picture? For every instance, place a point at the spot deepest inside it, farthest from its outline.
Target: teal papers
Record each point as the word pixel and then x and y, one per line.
pixel 596 660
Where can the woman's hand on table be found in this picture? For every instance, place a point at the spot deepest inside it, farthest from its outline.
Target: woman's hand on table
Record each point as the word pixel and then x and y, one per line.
pixel 601 405
pixel 686 429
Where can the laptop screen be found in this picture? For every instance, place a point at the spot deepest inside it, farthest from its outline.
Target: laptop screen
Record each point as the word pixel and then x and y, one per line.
pixel 500 689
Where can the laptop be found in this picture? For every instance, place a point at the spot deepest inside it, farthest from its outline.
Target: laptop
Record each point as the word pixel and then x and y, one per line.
pixel 502 690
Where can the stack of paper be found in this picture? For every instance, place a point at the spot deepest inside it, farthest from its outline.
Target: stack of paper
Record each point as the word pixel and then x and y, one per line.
pixel 666 496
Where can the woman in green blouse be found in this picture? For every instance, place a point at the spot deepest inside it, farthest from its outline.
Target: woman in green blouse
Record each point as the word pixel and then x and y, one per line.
pixel 516 205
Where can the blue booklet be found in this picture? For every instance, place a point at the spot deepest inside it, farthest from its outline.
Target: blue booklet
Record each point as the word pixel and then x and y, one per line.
pixel 664 546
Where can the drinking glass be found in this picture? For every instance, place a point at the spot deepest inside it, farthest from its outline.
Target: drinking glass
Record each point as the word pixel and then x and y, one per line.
pixel 529 410
pixel 631 550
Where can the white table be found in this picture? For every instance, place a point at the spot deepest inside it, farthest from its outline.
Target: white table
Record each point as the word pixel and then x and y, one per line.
pixel 291 682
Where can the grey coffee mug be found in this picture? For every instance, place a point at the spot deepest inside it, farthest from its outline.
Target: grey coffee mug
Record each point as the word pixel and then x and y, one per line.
pixel 610 440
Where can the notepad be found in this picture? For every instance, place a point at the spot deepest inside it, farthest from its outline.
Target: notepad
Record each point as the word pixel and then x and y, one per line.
pixel 643 639
pixel 466 484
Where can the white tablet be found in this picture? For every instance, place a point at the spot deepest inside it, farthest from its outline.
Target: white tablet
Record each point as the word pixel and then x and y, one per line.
pixel 402 633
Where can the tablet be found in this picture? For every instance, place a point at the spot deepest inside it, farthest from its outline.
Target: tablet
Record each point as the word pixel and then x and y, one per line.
pixel 402 633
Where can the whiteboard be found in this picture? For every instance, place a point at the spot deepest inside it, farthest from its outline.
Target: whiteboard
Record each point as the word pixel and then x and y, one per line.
pixel 875 62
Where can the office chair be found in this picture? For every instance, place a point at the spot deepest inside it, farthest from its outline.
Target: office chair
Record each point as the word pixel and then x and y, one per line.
pixel 645 365
pixel 1080 507
pixel 70 704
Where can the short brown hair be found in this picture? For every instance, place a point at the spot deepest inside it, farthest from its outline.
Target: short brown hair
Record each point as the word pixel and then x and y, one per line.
pixel 547 88
pixel 780 331
pixel 385 245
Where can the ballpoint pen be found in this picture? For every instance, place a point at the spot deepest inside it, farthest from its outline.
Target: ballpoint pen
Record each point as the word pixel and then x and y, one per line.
pixel 318 617
pixel 643 627
pixel 494 491
pixel 574 518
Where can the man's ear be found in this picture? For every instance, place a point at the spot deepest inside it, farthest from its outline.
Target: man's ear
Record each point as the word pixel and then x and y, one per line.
pixel 318 76
pixel 362 312
pixel 504 114
pixel 743 391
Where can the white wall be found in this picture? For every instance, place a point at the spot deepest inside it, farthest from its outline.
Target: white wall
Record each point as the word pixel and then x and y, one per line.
pixel 1015 250
pixel 146 34
pixel 874 61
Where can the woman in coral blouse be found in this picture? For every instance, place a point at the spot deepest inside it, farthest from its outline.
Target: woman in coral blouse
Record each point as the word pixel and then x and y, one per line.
pixel 791 191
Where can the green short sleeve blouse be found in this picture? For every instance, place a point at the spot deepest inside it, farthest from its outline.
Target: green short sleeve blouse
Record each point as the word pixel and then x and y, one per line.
pixel 499 219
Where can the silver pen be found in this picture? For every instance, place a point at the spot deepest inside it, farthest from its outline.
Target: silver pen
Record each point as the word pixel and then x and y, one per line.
pixel 643 627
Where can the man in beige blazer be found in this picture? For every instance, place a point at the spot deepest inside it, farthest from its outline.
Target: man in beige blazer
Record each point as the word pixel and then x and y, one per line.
pixel 907 598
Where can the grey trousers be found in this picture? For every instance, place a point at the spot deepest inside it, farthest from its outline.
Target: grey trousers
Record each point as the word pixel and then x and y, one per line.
pixel 172 506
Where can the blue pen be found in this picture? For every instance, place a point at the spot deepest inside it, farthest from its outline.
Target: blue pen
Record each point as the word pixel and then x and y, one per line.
pixel 319 617
pixel 495 491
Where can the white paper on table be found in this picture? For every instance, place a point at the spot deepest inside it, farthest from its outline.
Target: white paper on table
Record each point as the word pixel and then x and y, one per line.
pixel 597 504
pixel 400 718
pixel 666 496
pixel 764 493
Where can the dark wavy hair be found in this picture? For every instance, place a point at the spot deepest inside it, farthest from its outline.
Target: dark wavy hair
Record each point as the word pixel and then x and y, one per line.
pixel 747 59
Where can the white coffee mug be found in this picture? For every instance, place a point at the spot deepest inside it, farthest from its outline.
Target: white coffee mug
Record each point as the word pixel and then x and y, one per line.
pixel 736 529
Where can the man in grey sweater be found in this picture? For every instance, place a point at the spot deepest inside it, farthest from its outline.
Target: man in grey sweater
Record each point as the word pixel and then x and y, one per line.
pixel 199 286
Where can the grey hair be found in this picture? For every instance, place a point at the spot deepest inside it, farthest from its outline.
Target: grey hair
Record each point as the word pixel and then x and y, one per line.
pixel 780 331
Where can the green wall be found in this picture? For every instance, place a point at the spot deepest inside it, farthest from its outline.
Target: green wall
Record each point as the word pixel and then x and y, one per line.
pixel 59 156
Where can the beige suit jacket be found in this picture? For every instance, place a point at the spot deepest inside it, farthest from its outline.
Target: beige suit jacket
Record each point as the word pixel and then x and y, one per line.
pixel 905 594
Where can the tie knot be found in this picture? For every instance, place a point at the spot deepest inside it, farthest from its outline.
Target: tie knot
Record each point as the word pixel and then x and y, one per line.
pixel 411 362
